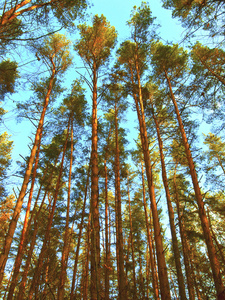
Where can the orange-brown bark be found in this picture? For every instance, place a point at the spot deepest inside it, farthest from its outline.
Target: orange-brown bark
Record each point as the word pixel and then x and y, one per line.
pixel 17 210
pixel 20 251
pixel 65 251
pixel 162 269
pixel 79 238
pixel 154 272
pixel 49 225
pixel 122 278
pixel 176 251
pixel 95 228
pixel 131 240
pixel 214 262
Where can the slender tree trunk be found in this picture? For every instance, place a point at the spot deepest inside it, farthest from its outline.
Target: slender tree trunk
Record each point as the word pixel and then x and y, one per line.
pixel 46 279
pixel 131 240
pixel 33 240
pixel 30 252
pixel 176 251
pixel 185 246
pixel 62 278
pixel 17 210
pixel 107 253
pixel 8 283
pixel 141 280
pixel 49 225
pixel 154 272
pixel 174 288
pixel 196 280
pixel 122 278
pixel 127 261
pixel 24 231
pixel 215 265
pixel 95 228
pixel 86 274
pixel 162 269
pixel 147 268
pixel 79 237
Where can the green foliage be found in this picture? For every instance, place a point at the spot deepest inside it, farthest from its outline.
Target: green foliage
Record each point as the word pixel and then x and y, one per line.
pixel 10 32
pixel 17 20
pixel 75 103
pixel 207 58
pixel 96 41
pixel 66 11
pixel 199 13
pixel 215 161
pixel 141 20
pixel 170 59
pixel 208 71
pixel 5 159
pixel 54 52
pixel 8 76
pixel 6 211
pixel 178 152
pixel 216 147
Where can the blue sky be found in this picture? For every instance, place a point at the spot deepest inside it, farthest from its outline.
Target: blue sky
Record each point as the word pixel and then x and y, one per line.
pixel 118 13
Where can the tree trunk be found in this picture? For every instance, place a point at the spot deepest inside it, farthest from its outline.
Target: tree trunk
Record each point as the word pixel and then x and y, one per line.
pixel 49 225
pixel 86 274
pixel 122 278
pixel 30 252
pixel 185 246
pixel 162 269
pixel 79 237
pixel 95 237
pixel 17 210
pixel 141 281
pixel 131 240
pixel 107 253
pixel 176 252
pixel 62 278
pixel 215 265
pixel 24 231
pixel 154 272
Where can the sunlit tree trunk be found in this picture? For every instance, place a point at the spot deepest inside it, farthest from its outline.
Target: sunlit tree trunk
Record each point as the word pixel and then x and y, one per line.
pixel 35 220
pixel 185 246
pixel 107 252
pixel 17 210
pixel 62 278
pixel 49 225
pixel 154 272
pixel 215 265
pixel 122 278
pixel 180 277
pixel 95 237
pixel 86 273
pixel 79 237
pixel 162 269
pixel 147 268
pixel 141 281
pixel 24 231
pixel 30 252
pixel 131 240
